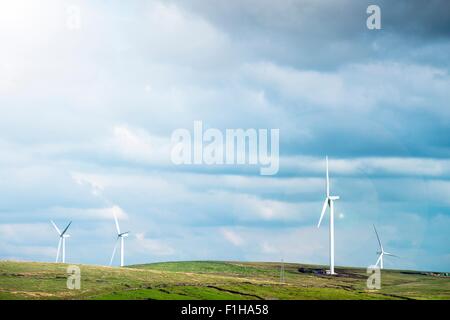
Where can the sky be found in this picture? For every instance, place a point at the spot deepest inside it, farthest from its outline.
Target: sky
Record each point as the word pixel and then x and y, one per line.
pixel 88 104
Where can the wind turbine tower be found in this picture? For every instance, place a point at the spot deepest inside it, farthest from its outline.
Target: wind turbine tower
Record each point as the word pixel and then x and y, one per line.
pixel 329 202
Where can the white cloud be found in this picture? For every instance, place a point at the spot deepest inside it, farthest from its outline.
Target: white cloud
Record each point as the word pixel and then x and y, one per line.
pixel 399 166
pixel 182 36
pixel 358 87
pixel 232 237
pixel 25 232
pixel 268 248
pixel 27 253
pixel 90 213
pixel 262 208
pixel 305 244
pixel 151 247
pixel 137 145
pixel 95 185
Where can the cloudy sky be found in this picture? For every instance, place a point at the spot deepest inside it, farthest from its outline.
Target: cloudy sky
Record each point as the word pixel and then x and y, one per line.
pixel 88 104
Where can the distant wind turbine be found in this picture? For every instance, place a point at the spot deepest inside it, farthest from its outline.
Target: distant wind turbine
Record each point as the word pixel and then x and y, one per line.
pixel 120 236
pixel 282 271
pixel 381 253
pixel 329 201
pixel 62 240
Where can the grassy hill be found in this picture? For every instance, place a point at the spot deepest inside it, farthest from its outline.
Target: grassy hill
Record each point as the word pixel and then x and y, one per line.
pixel 211 280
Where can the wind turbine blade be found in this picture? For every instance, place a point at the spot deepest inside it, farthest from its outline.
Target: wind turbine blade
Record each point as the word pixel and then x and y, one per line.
pixel 66 228
pixel 378 261
pixel 328 180
pixel 323 212
pixel 379 241
pixel 390 254
pixel 114 252
pixel 56 228
pixel 59 248
pixel 117 223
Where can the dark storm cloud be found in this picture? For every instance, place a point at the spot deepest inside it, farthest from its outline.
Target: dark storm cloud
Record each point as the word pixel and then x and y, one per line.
pixel 427 19
pixel 304 33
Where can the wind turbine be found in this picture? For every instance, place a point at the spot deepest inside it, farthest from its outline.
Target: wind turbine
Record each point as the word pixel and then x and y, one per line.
pixel 120 236
pixel 381 252
pixel 62 239
pixel 329 201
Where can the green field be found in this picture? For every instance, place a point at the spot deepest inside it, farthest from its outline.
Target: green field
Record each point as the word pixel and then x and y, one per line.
pixel 211 280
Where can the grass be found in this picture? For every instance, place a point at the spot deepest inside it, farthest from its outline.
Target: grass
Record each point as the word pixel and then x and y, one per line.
pixel 210 280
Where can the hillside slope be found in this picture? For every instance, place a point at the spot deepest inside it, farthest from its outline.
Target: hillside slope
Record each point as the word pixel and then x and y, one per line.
pixel 210 280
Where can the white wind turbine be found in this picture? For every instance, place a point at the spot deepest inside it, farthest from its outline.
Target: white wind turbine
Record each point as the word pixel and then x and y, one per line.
pixel 120 236
pixel 62 240
pixel 381 253
pixel 329 201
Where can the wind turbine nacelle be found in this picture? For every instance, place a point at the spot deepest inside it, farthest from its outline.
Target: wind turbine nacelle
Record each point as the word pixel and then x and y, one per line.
pixel 66 236
pixel 334 198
